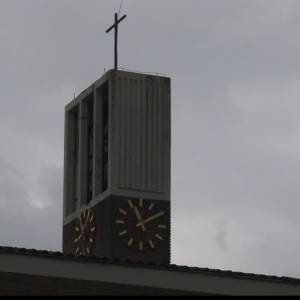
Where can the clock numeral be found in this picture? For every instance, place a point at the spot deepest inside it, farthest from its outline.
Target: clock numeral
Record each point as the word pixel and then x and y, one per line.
pixel 159 237
pixel 91 219
pixel 130 242
pixel 130 204
pixel 151 244
pixel 141 246
pixel 120 222
pixel 123 212
pixel 123 233
pixel 151 206
pixel 93 229
pixel 162 226
pixel 91 241
pixel 77 229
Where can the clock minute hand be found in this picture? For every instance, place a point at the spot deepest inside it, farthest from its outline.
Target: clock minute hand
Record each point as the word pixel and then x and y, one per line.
pixel 153 218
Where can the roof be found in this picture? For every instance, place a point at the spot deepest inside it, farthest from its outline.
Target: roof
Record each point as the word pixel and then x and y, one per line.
pixel 171 267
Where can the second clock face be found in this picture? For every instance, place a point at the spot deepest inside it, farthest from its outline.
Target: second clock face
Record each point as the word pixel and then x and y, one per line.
pixel 85 233
pixel 142 225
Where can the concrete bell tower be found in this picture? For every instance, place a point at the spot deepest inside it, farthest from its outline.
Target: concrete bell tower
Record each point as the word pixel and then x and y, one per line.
pixel 117 169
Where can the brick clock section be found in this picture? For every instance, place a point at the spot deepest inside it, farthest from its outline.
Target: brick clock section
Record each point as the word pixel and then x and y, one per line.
pixel 137 230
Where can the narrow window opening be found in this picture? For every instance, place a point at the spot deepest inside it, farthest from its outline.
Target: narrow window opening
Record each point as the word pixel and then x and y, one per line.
pixel 90 148
pixel 74 117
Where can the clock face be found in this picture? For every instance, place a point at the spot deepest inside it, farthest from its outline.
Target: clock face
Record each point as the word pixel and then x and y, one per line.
pixel 85 231
pixel 142 225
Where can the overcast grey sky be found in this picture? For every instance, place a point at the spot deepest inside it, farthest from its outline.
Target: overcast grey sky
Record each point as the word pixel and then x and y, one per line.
pixel 235 72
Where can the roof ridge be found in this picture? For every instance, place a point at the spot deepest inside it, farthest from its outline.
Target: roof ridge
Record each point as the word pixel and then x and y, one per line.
pixel 170 267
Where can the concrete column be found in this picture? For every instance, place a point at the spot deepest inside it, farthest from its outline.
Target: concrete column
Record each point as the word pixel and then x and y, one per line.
pixel 98 142
pixel 67 167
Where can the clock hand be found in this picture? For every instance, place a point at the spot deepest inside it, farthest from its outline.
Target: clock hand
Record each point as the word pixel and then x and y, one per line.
pixel 86 221
pixel 138 215
pixel 153 218
pixel 81 225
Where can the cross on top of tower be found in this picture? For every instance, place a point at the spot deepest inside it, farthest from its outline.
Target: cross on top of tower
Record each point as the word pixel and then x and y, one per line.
pixel 116 28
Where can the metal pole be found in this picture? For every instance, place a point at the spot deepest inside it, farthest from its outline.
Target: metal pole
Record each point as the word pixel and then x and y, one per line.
pixel 116 41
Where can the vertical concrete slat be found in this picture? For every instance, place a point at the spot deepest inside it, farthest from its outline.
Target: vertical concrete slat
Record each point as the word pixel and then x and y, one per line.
pixel 167 136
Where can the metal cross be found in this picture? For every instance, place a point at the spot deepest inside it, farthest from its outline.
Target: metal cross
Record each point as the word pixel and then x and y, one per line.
pixel 116 28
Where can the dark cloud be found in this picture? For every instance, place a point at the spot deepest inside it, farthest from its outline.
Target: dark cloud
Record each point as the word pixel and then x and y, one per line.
pixel 235 101
pixel 50 183
pixel 26 221
pixel 221 236
pixel 12 187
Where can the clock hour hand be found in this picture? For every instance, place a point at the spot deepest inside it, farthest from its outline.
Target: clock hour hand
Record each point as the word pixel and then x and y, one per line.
pixel 80 222
pixel 151 219
pixel 86 221
pixel 138 215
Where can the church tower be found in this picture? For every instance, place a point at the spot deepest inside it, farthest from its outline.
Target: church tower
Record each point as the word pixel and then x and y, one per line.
pixel 117 169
